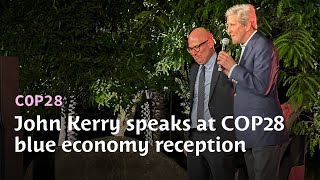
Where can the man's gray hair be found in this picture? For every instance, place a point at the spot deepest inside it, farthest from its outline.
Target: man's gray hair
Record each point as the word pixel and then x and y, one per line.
pixel 245 13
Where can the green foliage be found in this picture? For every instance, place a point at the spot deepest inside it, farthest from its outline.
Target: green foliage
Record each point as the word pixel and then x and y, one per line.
pixel 296 48
pixel 108 51
pixel 173 53
pixel 66 47
pixel 312 131
pixel 310 127
pixel 303 89
pixel 297 40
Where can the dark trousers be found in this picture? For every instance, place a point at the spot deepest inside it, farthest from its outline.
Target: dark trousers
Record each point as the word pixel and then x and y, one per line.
pixel 220 165
pixel 263 162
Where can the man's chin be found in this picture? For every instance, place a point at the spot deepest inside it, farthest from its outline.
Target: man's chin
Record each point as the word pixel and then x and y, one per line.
pixel 199 62
pixel 234 41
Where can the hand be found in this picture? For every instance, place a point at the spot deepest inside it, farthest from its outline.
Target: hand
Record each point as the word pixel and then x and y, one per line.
pixel 225 71
pixel 226 61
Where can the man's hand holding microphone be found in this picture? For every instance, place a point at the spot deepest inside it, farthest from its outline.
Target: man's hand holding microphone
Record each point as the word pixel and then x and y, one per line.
pixel 225 61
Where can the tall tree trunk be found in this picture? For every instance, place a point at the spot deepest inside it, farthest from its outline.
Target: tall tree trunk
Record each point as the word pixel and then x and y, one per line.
pixel 128 113
pixel 158 111
pixel 68 109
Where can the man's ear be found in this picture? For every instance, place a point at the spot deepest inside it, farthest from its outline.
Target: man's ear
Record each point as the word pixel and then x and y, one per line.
pixel 248 26
pixel 211 40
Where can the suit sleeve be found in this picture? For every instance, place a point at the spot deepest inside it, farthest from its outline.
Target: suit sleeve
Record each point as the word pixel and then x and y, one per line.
pixel 259 79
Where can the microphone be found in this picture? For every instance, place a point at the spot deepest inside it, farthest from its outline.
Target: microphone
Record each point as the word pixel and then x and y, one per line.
pixel 225 42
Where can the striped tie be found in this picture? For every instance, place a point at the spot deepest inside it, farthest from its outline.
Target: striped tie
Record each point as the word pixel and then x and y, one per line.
pixel 200 110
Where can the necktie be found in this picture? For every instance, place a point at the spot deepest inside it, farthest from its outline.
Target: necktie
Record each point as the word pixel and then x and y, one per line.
pixel 200 110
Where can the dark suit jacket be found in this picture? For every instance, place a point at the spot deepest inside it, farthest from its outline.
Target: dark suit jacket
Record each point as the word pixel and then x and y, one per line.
pixel 220 99
pixel 255 82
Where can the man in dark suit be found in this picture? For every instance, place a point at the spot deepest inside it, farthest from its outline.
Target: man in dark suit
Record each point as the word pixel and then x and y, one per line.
pixel 211 97
pixel 255 92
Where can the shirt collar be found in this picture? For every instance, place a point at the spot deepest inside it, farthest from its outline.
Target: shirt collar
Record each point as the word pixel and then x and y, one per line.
pixel 211 61
pixel 244 45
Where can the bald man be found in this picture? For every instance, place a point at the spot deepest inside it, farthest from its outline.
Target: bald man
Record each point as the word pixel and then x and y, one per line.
pixel 211 97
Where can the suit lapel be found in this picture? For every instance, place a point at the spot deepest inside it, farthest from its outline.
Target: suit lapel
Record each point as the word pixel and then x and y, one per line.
pixel 193 75
pixel 214 79
pixel 249 47
pixel 247 50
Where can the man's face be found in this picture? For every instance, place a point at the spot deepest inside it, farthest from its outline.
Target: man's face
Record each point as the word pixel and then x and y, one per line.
pixel 236 30
pixel 199 49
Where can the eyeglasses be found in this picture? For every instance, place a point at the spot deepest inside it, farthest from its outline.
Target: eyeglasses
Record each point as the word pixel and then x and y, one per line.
pixel 197 47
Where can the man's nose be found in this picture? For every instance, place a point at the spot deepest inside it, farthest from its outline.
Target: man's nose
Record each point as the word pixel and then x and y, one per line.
pixel 228 30
pixel 194 52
